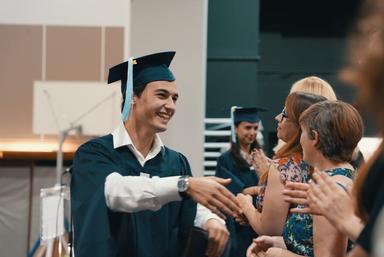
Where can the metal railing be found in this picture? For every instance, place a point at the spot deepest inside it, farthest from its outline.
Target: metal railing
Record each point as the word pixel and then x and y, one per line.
pixel 217 133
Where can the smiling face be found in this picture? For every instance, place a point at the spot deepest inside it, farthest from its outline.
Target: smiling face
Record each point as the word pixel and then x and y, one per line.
pixel 156 105
pixel 246 132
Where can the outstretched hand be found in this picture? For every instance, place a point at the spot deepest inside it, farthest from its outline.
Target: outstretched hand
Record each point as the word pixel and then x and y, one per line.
pixel 212 193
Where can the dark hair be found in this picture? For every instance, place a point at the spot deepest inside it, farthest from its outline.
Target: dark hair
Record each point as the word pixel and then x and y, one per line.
pixel 339 126
pixel 295 104
pixel 235 151
pixel 136 91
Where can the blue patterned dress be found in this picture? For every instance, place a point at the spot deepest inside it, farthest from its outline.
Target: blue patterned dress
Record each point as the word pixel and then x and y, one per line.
pixel 298 230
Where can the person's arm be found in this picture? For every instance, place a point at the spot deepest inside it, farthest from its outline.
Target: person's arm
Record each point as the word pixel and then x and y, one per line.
pixel 203 214
pixel 273 216
pixel 136 193
pixel 252 190
pixel 91 164
pixel 215 226
pixel 212 193
pixel 327 240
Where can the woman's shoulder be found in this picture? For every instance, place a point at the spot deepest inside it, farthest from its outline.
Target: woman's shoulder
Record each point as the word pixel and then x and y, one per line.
pixel 293 168
pixel 224 157
pixel 294 161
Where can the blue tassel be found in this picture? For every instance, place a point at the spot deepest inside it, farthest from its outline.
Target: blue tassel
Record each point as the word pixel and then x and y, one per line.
pixel 233 134
pixel 128 91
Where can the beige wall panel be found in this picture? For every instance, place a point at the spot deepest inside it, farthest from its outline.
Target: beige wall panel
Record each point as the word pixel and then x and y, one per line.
pixel 73 53
pixel 114 48
pixel 20 62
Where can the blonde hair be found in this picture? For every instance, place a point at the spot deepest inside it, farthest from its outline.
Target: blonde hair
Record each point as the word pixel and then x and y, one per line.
pixel 314 85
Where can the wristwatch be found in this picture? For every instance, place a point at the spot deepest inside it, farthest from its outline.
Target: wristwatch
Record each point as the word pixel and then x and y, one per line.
pixel 183 185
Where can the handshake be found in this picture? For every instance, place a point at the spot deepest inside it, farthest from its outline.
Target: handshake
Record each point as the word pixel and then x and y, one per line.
pixel 213 194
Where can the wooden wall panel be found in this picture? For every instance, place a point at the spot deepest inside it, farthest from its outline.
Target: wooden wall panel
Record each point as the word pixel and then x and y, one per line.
pixel 73 53
pixel 114 47
pixel 20 62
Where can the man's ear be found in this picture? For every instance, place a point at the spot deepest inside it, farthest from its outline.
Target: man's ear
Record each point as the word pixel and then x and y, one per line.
pixel 315 137
pixel 134 99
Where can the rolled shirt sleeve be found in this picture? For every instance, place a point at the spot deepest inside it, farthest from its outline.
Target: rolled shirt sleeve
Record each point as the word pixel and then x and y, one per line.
pixel 137 193
pixel 203 214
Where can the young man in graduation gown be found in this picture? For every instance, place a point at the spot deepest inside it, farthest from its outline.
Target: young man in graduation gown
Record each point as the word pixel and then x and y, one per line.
pixel 236 163
pixel 133 196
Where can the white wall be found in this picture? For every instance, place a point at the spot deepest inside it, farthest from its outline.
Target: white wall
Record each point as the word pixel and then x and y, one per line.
pixel 178 25
pixel 65 12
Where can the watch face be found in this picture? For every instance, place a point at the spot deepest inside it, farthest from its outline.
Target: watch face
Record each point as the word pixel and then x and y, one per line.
pixel 182 184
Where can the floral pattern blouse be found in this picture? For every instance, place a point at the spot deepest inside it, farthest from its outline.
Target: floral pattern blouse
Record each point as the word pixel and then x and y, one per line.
pixel 292 169
pixel 298 230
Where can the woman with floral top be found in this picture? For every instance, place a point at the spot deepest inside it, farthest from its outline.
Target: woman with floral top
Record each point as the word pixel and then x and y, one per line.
pixel 330 133
pixel 271 213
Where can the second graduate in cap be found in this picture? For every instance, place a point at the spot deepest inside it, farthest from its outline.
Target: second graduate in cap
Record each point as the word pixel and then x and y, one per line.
pixel 236 163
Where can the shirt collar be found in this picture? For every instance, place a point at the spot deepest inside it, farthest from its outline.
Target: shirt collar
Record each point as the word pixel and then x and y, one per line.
pixel 122 138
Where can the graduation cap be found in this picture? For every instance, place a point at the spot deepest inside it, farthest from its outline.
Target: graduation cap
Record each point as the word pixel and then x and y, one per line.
pixel 140 71
pixel 239 114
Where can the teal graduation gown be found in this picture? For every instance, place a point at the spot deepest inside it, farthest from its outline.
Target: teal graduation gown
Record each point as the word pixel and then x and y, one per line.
pixel 98 231
pixel 241 236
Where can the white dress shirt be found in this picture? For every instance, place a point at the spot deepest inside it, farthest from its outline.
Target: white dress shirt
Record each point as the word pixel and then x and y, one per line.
pixel 136 193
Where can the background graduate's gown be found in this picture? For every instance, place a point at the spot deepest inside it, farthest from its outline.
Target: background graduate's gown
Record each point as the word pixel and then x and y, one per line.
pixel 98 231
pixel 241 236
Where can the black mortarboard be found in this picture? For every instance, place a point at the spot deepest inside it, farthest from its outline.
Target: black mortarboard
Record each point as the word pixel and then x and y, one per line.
pixel 143 70
pixel 239 114
pixel 247 114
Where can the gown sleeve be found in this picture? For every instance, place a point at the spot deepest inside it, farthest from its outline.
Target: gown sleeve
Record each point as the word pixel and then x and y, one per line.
pixel 92 232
